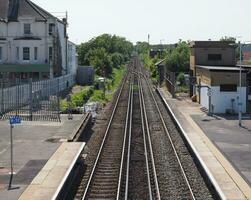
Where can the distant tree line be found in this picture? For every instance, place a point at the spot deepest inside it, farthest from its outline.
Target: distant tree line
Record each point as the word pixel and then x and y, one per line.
pixel 177 56
pixel 104 53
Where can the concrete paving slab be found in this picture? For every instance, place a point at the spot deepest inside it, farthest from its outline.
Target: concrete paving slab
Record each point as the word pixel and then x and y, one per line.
pixel 34 143
pixel 233 141
pixel 45 187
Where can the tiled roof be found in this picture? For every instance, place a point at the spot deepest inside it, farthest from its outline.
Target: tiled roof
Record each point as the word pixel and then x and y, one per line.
pixel 4 6
pixel 10 10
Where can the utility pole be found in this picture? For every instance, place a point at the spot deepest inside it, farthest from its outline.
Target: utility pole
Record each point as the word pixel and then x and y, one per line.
pixel 240 103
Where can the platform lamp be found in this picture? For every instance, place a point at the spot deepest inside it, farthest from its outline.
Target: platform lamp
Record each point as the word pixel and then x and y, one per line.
pixel 240 80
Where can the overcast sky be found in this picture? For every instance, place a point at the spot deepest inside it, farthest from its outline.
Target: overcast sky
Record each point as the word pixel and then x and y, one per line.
pixel 166 20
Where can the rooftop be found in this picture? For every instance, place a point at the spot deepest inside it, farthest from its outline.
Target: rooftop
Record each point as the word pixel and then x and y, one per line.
pixel 10 10
pixel 160 62
pixel 220 68
pixel 212 44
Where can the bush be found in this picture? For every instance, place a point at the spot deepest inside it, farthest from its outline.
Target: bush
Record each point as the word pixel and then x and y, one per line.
pixel 78 99
pixel 181 78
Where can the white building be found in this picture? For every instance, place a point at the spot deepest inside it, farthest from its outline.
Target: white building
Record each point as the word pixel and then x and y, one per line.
pixel 72 58
pixel 33 42
pixel 222 84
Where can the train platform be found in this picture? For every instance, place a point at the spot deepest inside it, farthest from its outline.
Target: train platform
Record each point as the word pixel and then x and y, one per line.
pixel 220 144
pixel 33 145
pixel 50 180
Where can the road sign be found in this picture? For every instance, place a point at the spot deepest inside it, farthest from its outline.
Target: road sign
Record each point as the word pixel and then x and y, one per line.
pixel 15 120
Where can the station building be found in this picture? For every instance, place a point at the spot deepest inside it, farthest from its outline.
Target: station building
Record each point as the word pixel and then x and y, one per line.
pixel 214 74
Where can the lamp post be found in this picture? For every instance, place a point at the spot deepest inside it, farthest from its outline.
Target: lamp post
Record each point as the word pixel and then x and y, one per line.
pixel 240 82
pixel 239 103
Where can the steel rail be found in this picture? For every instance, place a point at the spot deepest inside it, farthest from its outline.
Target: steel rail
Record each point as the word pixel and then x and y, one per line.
pixel 171 141
pixel 104 139
pixel 145 144
pixel 129 147
pixel 150 143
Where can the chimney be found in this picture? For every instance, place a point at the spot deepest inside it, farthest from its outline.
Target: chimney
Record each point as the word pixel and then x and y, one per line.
pixel 13 10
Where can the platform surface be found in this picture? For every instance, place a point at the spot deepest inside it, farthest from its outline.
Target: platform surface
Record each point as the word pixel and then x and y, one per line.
pixel 34 144
pixel 224 147
pixel 48 182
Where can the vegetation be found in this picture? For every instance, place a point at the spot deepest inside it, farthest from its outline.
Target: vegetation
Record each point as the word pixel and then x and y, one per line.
pixel 228 39
pixel 108 55
pixel 177 60
pixel 176 57
pixel 89 93
pixel 77 99
pixel 181 78
pixel 105 53
pixel 112 83
pixel 142 48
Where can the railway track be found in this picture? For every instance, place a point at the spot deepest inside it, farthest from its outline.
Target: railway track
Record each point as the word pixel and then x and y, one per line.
pixel 172 168
pixel 141 154
pixel 140 178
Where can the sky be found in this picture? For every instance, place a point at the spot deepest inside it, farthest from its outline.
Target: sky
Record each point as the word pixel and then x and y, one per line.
pixel 166 21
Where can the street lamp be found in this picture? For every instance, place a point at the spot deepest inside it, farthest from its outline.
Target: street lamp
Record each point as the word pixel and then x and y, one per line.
pixel 240 80
pixel 239 103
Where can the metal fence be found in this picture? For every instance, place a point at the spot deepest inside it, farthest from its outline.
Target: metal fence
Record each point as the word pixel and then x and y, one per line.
pixel 30 100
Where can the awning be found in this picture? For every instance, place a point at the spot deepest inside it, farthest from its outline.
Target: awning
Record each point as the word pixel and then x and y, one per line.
pixel 25 68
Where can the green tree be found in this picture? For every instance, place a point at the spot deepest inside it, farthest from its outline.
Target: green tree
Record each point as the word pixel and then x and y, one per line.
pixel 117 51
pixel 228 39
pixel 177 60
pixel 101 60
pixel 117 59
pixel 142 47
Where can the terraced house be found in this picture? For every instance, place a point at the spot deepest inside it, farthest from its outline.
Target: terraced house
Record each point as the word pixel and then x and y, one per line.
pixel 33 42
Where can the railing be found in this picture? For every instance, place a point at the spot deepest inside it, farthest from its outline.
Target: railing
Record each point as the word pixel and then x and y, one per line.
pixel 249 90
pixel 33 99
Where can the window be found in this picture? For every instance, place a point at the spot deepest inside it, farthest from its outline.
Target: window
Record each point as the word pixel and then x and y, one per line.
pixel 27 29
pixel 1 52
pixel 17 53
pixel 26 53
pixel 51 28
pixel 35 53
pixel 50 54
pixel 228 88
pixel 214 57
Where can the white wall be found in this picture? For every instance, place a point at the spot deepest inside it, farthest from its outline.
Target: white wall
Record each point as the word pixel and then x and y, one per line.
pixel 72 58
pixel 60 28
pixel 204 100
pixel 222 100
pixel 13 30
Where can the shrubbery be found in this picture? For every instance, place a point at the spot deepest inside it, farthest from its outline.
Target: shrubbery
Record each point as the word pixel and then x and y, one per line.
pixel 104 53
pixel 78 99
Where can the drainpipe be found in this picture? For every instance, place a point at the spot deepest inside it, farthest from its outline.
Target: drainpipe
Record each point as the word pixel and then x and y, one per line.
pixel 46 46
pixel 66 44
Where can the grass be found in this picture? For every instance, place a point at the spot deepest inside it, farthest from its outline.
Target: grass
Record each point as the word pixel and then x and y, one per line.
pixel 112 85
pixel 77 99
pixel 183 89
pixel 81 95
